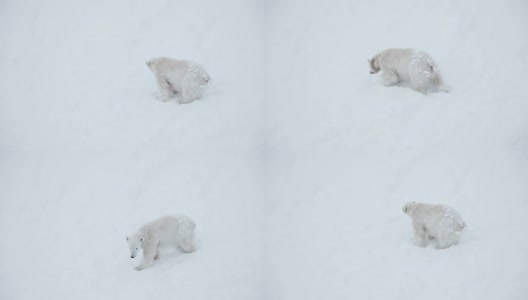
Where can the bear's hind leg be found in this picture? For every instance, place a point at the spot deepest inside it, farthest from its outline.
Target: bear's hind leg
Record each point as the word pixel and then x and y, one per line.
pixel 448 239
pixel 444 243
pixel 419 82
pixel 190 93
pixel 187 244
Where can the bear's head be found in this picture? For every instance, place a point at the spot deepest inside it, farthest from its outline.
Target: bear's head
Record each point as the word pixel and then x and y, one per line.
pixel 408 208
pixel 135 243
pixel 151 64
pixel 374 65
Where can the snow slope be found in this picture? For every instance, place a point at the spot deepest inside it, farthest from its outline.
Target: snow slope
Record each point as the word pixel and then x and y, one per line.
pixel 295 165
pixel 88 154
pixel 348 152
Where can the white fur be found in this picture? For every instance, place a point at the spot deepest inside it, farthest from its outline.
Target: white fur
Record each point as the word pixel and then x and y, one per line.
pixel 177 230
pixel 408 67
pixel 434 222
pixel 183 78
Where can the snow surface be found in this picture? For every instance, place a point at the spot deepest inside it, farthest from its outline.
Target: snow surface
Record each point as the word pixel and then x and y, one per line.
pixel 294 165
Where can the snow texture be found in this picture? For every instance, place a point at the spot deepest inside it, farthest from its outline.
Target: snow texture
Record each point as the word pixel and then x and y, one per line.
pixel 294 164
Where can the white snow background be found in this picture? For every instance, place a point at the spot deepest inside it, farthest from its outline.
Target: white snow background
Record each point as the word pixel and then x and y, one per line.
pixel 294 165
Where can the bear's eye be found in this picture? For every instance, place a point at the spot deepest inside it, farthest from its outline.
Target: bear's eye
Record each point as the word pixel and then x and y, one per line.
pixel 137 248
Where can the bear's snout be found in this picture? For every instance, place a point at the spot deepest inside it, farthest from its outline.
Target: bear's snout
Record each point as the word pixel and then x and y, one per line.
pixel 132 256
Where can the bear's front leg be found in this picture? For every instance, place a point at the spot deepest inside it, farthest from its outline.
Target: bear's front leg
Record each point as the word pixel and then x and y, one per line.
pixel 419 234
pixel 187 244
pixel 165 88
pixel 149 254
pixel 389 78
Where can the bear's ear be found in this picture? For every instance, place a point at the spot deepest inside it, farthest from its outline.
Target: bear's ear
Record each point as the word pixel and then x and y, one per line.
pixel 147 63
pixel 404 209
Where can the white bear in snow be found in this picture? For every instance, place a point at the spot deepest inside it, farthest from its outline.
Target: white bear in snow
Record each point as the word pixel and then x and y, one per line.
pixel 177 230
pixel 408 67
pixel 438 222
pixel 183 77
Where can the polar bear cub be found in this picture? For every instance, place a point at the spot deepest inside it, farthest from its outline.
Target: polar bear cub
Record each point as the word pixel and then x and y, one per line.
pixel 408 67
pixel 183 77
pixel 434 222
pixel 177 230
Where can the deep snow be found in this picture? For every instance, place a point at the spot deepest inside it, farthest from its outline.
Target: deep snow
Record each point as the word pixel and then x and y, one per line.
pixel 294 165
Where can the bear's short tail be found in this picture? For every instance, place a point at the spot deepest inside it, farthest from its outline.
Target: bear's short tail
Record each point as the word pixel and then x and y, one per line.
pixel 207 78
pixel 436 78
pixel 462 225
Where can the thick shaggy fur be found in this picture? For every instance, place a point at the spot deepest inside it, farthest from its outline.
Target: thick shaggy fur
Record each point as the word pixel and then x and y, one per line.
pixel 177 230
pixel 408 67
pixel 184 79
pixel 434 222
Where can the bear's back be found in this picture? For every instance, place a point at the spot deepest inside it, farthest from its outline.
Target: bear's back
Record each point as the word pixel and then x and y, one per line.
pixel 169 226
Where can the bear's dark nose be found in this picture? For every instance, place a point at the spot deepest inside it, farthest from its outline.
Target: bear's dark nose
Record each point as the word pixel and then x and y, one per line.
pixel 131 256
